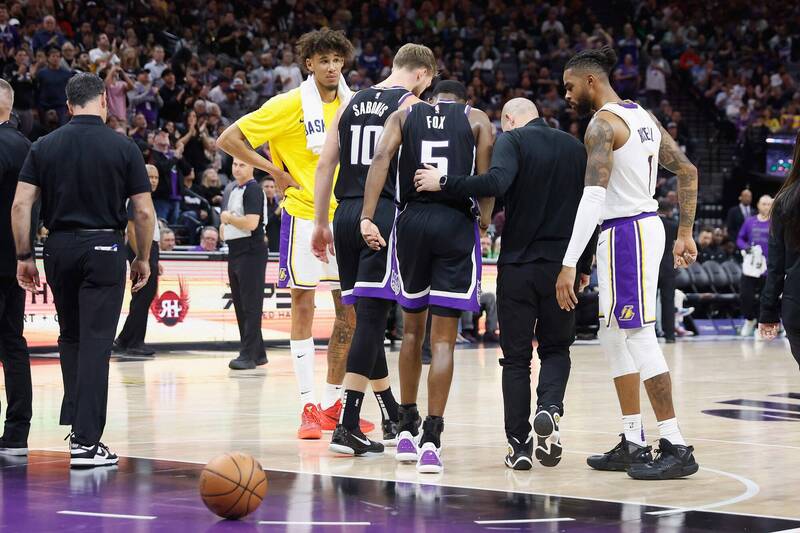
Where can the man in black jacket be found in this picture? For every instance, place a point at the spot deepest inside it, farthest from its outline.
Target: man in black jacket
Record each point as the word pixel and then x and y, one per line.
pixel 666 273
pixel 738 213
pixel 13 349
pixel 539 171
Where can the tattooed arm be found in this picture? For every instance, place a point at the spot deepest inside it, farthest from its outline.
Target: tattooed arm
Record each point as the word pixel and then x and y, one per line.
pixel 600 139
pixel 672 158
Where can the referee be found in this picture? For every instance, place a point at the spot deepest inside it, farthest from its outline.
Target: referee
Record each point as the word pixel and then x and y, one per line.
pixel 243 229
pixel 84 172
pixel 540 172
pixel 13 349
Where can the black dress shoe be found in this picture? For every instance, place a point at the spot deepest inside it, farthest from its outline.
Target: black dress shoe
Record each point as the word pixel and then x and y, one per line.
pixel 261 360
pixel 116 347
pixel 242 363
pixel 140 351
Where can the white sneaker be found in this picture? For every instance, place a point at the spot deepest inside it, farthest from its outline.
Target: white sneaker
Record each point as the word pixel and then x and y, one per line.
pixel 748 328
pixel 90 456
pixel 430 461
pixel 407 449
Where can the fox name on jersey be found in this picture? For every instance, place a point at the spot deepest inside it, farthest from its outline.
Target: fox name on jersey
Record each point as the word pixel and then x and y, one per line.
pixel 371 107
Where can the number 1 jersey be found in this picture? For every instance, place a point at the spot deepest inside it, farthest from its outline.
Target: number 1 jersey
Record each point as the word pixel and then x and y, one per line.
pixel 439 135
pixel 360 127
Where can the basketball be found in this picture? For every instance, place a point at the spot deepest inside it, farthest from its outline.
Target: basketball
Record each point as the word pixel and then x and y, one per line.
pixel 233 485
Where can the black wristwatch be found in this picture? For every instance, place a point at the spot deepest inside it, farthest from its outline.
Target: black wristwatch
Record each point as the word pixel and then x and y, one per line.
pixel 443 181
pixel 24 257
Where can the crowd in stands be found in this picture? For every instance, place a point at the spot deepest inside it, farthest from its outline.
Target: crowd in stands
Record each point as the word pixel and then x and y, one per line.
pixel 179 72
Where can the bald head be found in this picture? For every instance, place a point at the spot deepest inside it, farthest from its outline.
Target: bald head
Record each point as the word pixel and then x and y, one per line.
pixel 518 112
pixel 6 100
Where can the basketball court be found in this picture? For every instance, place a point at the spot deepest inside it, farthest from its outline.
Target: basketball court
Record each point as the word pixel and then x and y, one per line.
pixel 738 402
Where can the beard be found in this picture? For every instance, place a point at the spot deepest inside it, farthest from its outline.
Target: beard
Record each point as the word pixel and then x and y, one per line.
pixel 583 106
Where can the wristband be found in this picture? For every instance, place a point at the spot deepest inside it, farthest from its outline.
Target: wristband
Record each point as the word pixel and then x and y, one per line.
pixel 24 257
pixel 366 218
pixel 483 226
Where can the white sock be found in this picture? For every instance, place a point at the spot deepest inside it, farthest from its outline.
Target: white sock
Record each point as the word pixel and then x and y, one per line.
pixel 632 426
pixel 303 362
pixel 668 429
pixel 331 395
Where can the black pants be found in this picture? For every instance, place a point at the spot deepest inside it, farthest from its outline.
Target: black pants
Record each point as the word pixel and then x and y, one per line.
pixel 750 289
pixel 16 361
pixel 86 272
pixel 526 306
pixel 666 288
pixel 247 264
pixel 135 328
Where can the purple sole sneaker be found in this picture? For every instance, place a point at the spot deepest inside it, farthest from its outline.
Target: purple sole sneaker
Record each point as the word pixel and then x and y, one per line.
pixel 406 448
pixel 429 461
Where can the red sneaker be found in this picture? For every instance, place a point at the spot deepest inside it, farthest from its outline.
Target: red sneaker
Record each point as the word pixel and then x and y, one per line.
pixel 309 423
pixel 328 418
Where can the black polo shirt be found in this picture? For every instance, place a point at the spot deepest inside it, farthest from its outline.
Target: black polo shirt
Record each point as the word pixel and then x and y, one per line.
pixel 13 149
pixel 540 172
pixel 85 171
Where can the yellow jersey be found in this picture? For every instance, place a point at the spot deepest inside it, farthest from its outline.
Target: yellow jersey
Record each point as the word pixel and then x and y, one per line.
pixel 280 123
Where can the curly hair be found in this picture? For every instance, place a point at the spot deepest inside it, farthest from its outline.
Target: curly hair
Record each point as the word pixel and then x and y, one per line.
pixel 323 41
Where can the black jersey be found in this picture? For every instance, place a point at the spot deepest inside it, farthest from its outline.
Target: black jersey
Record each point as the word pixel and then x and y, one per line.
pixel 441 136
pixel 360 127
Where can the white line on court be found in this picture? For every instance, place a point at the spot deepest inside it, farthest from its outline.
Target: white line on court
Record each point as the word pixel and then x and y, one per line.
pixel 523 521
pixel 471 487
pixel 793 530
pixel 109 515
pixel 751 489
pixel 293 523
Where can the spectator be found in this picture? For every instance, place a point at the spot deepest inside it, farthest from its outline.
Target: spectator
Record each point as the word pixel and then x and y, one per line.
pixel 145 99
pixel 117 86
pixel 739 213
pixel 626 79
pixel 753 240
pixel 173 96
pixel 486 248
pixel 629 44
pixel 262 79
pixel 48 36
pixel 288 72
pixel 209 240
pixel 552 24
pixel 274 210
pixel 104 54
pixel 168 194
pixel 19 77
pixel 156 66
pixel 211 188
pixel 658 70
pixel 52 81
pixel 167 242
pixel 707 250
pixel 232 108
pixel 370 61
pixel 9 35
pixel 68 56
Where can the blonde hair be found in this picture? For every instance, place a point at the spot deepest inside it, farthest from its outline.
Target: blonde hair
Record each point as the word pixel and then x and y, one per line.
pixel 412 56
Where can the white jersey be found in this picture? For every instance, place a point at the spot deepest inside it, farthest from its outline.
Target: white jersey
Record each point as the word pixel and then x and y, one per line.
pixel 632 184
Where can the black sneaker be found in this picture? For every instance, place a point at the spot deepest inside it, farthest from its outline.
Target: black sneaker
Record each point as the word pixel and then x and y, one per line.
pixel 242 363
pixel 389 433
pixel 672 461
pixel 622 457
pixel 519 454
pixel 548 439
pixel 352 442
pixel 8 447
pixel 118 348
pixel 261 360
pixel 83 456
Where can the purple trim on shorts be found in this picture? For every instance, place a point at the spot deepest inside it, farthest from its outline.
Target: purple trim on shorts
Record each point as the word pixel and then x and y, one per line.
pixel 627 303
pixel 463 304
pixel 615 222
pixel 284 266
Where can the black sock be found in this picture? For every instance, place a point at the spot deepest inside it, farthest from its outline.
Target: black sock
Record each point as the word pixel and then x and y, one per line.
pixel 432 430
pixel 407 418
pixel 351 411
pixel 388 405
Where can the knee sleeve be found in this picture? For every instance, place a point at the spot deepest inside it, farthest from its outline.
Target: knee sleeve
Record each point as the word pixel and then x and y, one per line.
pixel 647 355
pixel 620 360
pixel 380 369
pixel 371 315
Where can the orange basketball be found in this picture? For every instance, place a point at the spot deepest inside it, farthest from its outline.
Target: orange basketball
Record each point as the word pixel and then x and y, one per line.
pixel 233 485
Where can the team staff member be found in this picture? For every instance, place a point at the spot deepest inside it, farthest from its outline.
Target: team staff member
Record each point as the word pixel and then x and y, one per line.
pixel 13 349
pixel 131 339
pixel 783 263
pixel 243 229
pixel 84 172
pixel 539 170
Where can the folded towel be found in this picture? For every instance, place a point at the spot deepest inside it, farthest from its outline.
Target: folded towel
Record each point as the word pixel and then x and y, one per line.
pixel 313 118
